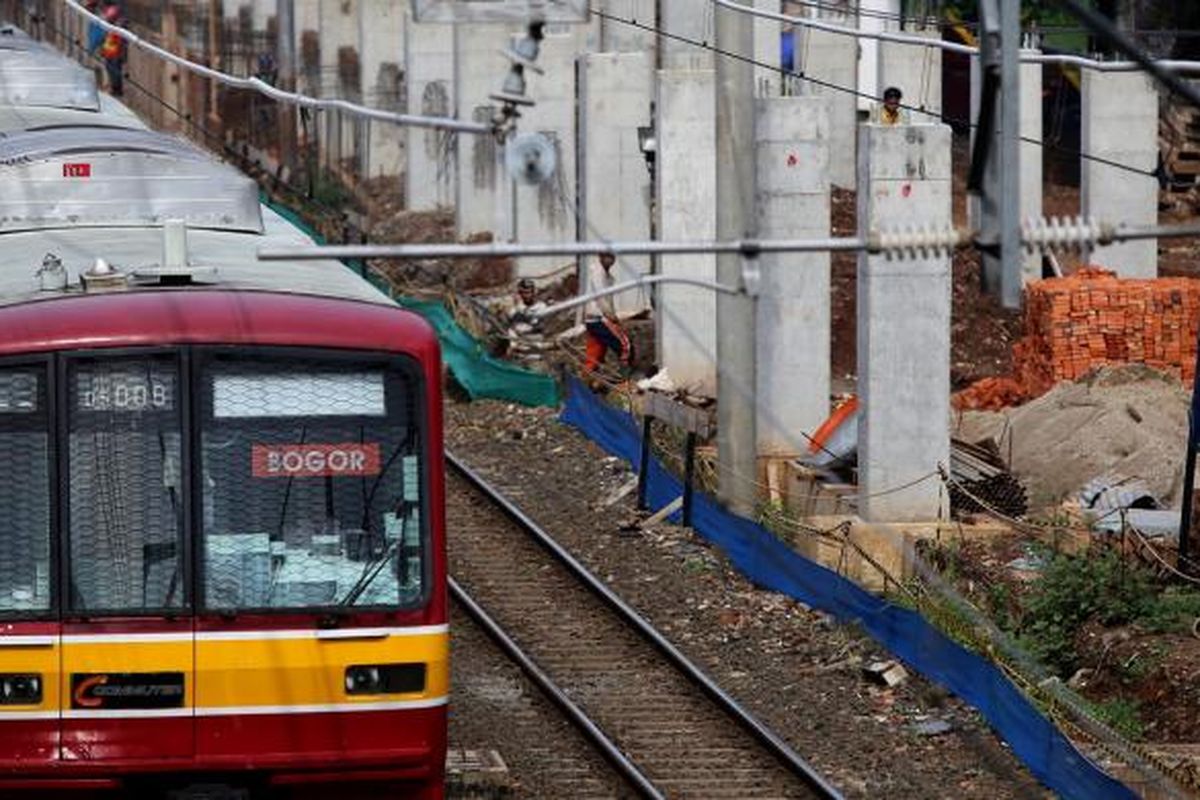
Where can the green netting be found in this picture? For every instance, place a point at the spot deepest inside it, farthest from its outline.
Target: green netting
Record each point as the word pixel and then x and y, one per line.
pixel 481 374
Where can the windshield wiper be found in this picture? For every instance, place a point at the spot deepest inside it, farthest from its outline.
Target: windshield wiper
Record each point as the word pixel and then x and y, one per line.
pixel 372 568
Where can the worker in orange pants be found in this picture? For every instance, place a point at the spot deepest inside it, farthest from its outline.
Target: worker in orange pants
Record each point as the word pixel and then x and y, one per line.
pixel 604 331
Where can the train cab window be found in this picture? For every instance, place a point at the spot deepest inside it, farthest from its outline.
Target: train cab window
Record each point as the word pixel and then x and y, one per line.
pixel 311 484
pixel 125 497
pixel 24 491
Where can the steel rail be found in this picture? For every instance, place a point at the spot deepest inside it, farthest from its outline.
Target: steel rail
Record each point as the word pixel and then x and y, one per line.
pixel 552 690
pixel 768 738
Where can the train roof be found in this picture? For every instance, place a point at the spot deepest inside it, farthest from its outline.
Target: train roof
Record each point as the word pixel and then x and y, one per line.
pixel 119 177
pixel 32 74
pixel 112 114
pixel 215 260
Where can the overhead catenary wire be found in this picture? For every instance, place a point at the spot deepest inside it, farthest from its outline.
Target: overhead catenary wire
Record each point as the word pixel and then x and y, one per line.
pixel 280 95
pixel 954 47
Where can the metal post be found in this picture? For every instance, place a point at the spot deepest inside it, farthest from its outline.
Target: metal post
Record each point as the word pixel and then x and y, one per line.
pixel 1186 521
pixel 285 63
pixel 1000 199
pixel 644 464
pixel 737 461
pixel 689 472
pixel 1010 155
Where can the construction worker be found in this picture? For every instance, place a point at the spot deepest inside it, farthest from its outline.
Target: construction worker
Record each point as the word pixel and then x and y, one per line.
pixel 604 331
pixel 890 112
pixel 112 50
pixel 95 34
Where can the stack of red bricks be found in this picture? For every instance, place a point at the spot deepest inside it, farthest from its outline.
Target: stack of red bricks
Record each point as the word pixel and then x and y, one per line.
pixel 1090 319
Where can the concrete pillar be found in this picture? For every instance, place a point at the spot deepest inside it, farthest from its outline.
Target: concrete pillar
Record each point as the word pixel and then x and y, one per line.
pixel 916 71
pixel 792 148
pixel 831 60
pixel 620 37
pixel 431 155
pixel 903 326
pixel 341 76
pixel 686 176
pixel 768 80
pixel 873 18
pixel 686 19
pixel 615 94
pixel 546 212
pixel 382 41
pixel 479 70
pixel 1031 160
pixel 1120 124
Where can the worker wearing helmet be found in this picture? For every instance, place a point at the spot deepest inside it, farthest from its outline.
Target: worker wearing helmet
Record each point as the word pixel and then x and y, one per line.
pixel 112 50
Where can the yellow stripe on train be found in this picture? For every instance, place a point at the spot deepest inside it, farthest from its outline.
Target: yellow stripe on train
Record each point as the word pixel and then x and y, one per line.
pixel 239 671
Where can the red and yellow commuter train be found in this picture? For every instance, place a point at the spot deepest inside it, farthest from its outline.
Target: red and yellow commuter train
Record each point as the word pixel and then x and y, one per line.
pixel 222 567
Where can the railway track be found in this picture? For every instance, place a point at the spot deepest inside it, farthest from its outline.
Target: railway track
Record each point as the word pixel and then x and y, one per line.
pixel 658 720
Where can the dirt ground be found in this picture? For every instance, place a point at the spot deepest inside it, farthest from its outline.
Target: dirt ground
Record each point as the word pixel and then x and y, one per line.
pixel 794 667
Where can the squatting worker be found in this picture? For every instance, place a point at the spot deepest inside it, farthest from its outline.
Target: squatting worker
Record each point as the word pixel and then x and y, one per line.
pixel 890 113
pixel 604 332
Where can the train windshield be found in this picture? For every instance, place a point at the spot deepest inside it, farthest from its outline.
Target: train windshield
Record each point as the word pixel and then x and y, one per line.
pixel 310 476
pixel 125 501
pixel 24 490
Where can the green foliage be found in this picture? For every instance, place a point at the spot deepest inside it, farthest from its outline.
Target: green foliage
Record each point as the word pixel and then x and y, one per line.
pixel 1074 590
pixel 1121 715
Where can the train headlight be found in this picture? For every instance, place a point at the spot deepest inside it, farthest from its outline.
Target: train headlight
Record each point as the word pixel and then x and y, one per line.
pixel 385 678
pixel 20 689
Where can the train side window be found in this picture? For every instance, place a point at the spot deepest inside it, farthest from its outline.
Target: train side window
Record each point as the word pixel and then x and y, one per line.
pixel 311 484
pixel 125 508
pixel 25 584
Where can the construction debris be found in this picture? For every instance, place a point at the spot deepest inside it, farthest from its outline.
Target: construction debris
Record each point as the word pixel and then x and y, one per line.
pixel 981 477
pixel 885 673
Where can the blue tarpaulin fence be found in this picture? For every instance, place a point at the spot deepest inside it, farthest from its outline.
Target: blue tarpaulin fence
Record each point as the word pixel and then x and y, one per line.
pixel 771 563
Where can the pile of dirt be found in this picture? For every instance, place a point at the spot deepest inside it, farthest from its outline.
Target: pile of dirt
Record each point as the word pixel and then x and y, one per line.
pixel 1127 422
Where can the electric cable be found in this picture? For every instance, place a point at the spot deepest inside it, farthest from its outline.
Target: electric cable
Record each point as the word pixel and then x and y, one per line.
pixel 280 95
pixel 957 121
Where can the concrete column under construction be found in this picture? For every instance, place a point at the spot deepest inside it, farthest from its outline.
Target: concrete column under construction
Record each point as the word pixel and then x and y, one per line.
pixel 686 175
pixel 792 149
pixel 687 21
pixel 431 155
pixel 479 70
pixel 616 91
pixel 1031 160
pixel 916 71
pixel 1120 124
pixel 768 80
pixel 874 16
pixel 618 31
pixel 381 52
pixel 341 76
pixel 903 326
pixel 830 63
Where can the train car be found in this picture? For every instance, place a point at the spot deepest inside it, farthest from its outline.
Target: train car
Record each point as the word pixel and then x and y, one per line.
pixel 223 563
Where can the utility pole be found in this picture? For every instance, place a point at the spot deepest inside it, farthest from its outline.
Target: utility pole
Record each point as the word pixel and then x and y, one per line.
pixel 999 141
pixel 285 63
pixel 737 457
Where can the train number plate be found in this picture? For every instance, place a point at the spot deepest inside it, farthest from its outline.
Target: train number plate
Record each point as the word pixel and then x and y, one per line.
pixel 126 690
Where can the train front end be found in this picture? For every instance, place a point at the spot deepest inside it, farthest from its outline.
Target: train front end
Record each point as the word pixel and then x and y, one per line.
pixel 223 560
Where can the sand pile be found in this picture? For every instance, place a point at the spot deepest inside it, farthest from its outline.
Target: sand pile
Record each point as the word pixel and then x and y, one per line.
pixel 1125 422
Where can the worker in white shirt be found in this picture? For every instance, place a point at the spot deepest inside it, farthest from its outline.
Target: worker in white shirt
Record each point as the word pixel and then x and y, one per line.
pixel 604 332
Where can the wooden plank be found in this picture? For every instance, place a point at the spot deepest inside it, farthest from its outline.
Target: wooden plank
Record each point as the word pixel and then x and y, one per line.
pixel 678 415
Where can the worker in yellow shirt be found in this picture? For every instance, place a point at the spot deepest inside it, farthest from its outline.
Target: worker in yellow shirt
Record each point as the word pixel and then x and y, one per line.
pixel 890 112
